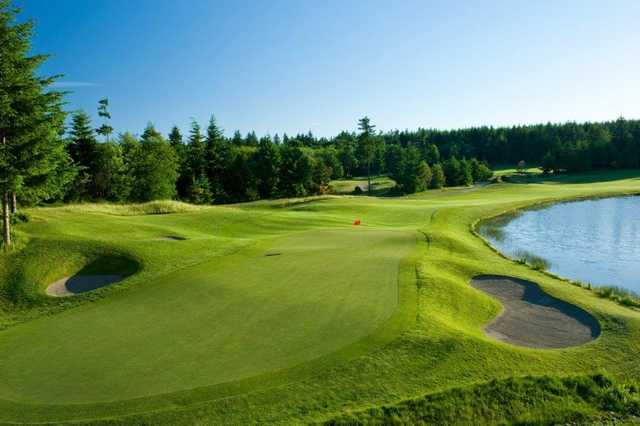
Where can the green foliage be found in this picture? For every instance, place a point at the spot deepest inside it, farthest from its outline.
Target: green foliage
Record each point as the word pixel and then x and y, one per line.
pixel 83 151
pixel 480 172
pixel 216 156
pixel 103 112
pixel 31 118
pixel 112 181
pixel 296 172
pixel 154 168
pixel 438 180
pixel 267 166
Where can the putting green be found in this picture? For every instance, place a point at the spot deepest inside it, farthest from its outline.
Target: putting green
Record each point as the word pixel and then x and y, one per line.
pixel 273 305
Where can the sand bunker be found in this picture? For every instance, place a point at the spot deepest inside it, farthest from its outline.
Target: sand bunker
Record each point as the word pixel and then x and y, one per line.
pixel 70 286
pixel 533 318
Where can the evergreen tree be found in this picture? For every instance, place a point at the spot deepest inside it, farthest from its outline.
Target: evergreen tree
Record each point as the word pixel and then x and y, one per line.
pixel 111 177
pixel 414 172
pixel 184 177
pixel 367 144
pixel 296 172
pixel 154 168
pixel 479 171
pixel 239 183
pixel 215 158
pixel 175 139
pixel 395 157
pixel 345 144
pixel 438 179
pixel 454 174
pixel 237 139
pixel 251 139
pixel 200 191
pixel 83 151
pixel 196 161
pixel 196 152
pixel 330 158
pixel 31 121
pixel 130 148
pixel 321 176
pixel 432 155
pixel 466 173
pixel 267 166
pixel 423 177
pixel 103 112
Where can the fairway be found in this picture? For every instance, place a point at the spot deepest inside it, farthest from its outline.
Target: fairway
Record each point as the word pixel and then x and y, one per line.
pixel 264 308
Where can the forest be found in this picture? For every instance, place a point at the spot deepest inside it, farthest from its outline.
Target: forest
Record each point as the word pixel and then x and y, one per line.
pixel 205 167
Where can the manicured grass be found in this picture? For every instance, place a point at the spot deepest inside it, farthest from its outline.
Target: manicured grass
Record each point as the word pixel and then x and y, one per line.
pixel 380 185
pixel 267 307
pixel 511 169
pixel 211 330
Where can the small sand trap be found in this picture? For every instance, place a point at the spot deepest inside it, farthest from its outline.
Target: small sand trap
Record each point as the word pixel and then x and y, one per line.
pixel 533 318
pixel 171 238
pixel 71 286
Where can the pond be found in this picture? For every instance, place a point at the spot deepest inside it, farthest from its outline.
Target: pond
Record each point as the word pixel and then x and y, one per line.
pixel 593 241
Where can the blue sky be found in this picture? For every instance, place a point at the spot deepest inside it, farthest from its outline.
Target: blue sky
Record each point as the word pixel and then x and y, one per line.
pixel 294 66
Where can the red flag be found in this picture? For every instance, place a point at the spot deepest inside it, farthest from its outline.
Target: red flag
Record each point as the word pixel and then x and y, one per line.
pixel 356 222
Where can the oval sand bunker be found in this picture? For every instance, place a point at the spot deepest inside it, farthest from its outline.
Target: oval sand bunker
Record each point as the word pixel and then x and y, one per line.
pixel 71 286
pixel 533 318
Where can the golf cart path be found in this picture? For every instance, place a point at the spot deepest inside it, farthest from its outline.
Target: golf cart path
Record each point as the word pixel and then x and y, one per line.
pixel 532 317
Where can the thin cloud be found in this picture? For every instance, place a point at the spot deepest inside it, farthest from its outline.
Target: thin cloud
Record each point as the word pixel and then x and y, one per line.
pixel 73 84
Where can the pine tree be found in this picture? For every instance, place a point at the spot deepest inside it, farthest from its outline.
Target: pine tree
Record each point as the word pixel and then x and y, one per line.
pixel 367 143
pixel 423 176
pixel 438 179
pixel 31 121
pixel 295 172
pixel 251 139
pixel 215 158
pixel 267 165
pixel 237 139
pixel 154 168
pixel 177 143
pixel 196 158
pixel 83 151
pixel 104 130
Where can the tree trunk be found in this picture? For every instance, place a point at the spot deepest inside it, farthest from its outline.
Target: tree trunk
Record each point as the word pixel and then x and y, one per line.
pixel 14 202
pixel 6 224
pixel 369 176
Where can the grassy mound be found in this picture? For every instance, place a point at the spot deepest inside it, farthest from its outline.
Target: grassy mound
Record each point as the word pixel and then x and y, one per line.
pixel 527 400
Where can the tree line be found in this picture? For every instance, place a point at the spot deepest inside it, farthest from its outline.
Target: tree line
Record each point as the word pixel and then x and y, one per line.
pixel 205 167
pixel 566 147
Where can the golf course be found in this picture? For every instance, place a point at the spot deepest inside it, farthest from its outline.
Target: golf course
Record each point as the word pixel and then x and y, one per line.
pixel 284 311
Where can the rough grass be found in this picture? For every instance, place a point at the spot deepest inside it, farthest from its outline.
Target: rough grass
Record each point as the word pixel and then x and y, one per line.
pixel 432 343
pixel 527 400
pixel 135 209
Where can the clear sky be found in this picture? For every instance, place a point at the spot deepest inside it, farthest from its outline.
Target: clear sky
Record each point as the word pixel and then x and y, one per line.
pixel 294 66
